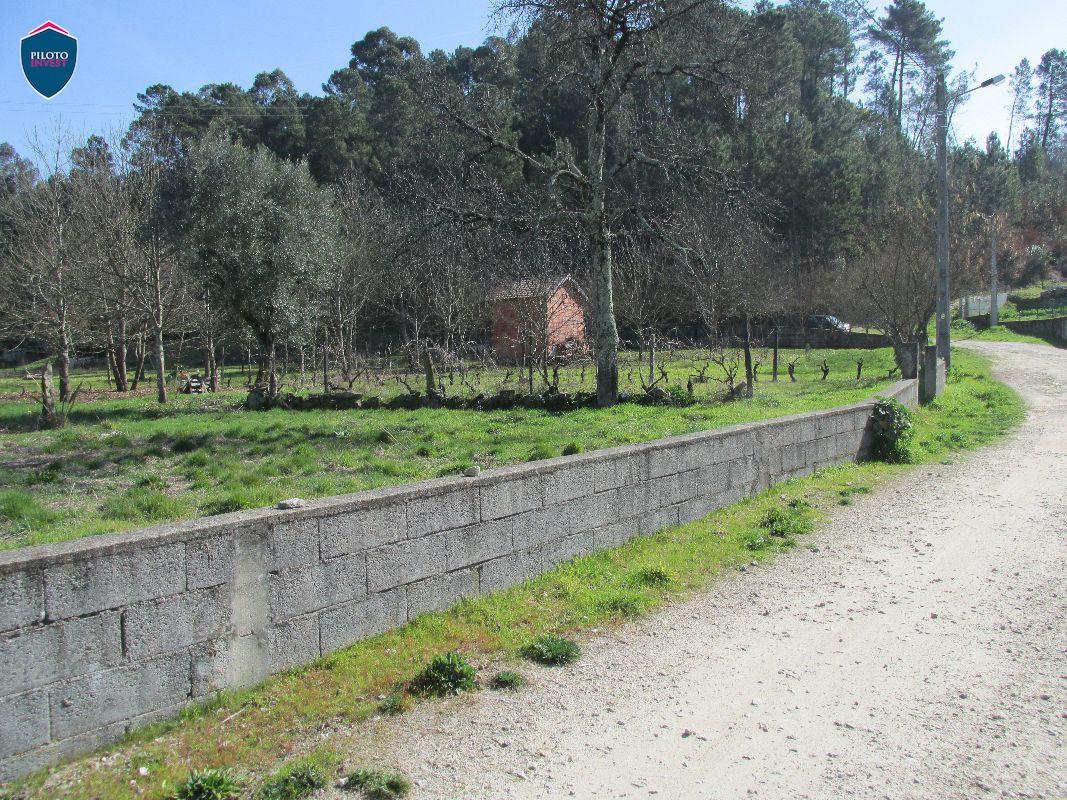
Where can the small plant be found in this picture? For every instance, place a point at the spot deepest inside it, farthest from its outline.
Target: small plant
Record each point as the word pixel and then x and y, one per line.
pixel 755 541
pixel 395 703
pixel 377 785
pixel 508 681
pixel 209 784
pixel 445 675
pixel 293 784
pixel 892 432
pixel 541 452
pixel 655 577
pixel 572 449
pixel 785 524
pixel 552 651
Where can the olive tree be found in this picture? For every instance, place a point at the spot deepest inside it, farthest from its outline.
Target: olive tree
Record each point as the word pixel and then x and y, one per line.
pixel 263 238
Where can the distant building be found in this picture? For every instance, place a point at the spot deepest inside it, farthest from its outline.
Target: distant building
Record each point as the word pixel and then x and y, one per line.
pixel 541 318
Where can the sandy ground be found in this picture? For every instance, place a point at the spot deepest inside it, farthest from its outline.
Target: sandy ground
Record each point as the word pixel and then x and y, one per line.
pixel 918 652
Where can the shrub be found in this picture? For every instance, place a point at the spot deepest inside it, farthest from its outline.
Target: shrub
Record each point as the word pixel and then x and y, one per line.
pixel 377 785
pixel 507 680
pixel 893 432
pixel 447 674
pixel 552 650
pixel 572 449
pixel 209 784
pixel 293 784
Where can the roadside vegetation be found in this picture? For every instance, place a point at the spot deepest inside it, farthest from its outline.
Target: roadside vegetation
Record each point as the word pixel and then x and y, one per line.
pixel 312 711
pixel 127 463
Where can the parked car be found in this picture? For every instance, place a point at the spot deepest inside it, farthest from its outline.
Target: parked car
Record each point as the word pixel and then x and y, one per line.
pixel 826 322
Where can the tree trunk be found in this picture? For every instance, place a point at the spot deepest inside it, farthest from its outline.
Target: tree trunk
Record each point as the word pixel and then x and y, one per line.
pixel 48 403
pixel 122 381
pixel 749 378
pixel 272 372
pixel 161 376
pixel 774 359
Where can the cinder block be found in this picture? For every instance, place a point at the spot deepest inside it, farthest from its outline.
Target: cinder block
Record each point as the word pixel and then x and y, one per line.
pixel 35 657
pixel 361 529
pixel 21 599
pixel 481 542
pixel 714 480
pixel 442 511
pixel 611 473
pixel 561 550
pixel 440 591
pixel 350 622
pixel 293 643
pixel 396 564
pixel 175 622
pixel 568 483
pixel 596 511
pixel 544 524
pixel 743 472
pixel 23 722
pixel 616 534
pixel 99 698
pixel 228 663
pixel 735 445
pixel 659 519
pixel 500 573
pixel 509 497
pixel 17 766
pixel 294 543
pixel 697 508
pixel 631 501
pixel 669 460
pixel 209 561
pixel 294 592
pixel 674 489
pixel 92 584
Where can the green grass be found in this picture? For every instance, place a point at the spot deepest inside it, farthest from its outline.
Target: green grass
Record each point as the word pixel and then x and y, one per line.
pixel 255 731
pixel 128 462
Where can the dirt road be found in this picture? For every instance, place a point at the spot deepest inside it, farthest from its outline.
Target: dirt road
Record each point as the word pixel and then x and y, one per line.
pixel 918 653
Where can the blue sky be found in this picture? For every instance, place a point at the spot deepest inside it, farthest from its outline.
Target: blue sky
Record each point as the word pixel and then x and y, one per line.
pixel 124 47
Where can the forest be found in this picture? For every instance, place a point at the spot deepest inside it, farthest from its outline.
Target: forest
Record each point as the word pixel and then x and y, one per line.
pixel 696 168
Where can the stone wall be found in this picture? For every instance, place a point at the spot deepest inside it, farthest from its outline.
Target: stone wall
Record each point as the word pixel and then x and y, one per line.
pixel 1053 329
pixel 104 634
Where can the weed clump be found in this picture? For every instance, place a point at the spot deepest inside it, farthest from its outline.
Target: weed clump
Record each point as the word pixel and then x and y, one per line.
pixel 377 785
pixel 507 680
pixel 209 784
pixel 655 577
pixel 293 784
pixel 448 674
pixel 393 704
pixel 552 651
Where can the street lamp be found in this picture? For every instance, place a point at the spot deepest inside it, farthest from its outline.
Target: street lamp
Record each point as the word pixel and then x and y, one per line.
pixel 944 317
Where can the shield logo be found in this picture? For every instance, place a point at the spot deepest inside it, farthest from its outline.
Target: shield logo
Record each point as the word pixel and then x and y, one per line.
pixel 49 54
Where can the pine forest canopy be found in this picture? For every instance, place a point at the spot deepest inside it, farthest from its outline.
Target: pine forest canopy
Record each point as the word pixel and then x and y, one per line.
pixel 688 161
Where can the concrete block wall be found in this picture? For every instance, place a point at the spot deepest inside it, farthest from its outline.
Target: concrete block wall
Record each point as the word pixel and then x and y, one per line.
pixel 102 635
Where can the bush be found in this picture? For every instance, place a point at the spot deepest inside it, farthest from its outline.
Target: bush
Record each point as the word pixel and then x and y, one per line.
pixel 552 651
pixel 893 432
pixel 572 449
pixel 507 680
pixel 209 784
pixel 447 674
pixel 377 785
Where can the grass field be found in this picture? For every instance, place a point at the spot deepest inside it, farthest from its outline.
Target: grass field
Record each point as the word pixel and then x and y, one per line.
pixel 123 463
pixel 301 715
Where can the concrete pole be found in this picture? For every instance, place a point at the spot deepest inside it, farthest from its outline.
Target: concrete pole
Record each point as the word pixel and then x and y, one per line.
pixel 993 320
pixel 944 316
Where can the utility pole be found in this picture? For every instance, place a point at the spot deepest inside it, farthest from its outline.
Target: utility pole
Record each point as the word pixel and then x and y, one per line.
pixel 993 320
pixel 944 316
